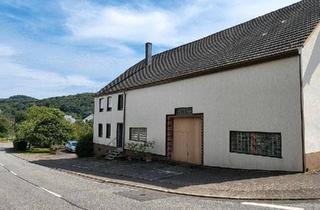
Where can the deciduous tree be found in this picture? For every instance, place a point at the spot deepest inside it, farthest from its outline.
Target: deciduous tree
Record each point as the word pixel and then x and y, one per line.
pixel 44 126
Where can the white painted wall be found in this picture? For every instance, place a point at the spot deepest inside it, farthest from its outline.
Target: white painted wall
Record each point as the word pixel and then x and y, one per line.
pixel 264 97
pixel 113 117
pixel 311 91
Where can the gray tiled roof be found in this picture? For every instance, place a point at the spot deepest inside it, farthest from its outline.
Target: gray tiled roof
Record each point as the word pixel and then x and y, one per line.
pixel 274 34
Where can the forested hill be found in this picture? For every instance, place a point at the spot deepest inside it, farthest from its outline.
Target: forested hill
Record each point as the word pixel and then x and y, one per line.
pixel 79 106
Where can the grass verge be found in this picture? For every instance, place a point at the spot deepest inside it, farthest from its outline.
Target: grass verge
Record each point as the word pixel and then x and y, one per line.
pixel 36 150
pixel 4 140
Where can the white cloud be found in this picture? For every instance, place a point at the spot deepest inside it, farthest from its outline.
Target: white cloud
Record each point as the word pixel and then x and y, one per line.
pixel 18 79
pixel 87 21
pixel 6 51
pixel 169 27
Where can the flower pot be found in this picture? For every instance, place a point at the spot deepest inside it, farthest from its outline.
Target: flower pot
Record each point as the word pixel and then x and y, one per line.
pixel 148 158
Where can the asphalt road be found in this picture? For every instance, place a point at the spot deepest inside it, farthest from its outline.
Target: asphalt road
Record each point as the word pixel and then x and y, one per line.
pixel 24 185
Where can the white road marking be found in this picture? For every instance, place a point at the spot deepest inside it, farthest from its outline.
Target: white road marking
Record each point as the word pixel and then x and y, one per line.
pixel 1 165
pixel 53 193
pixel 13 173
pixel 272 206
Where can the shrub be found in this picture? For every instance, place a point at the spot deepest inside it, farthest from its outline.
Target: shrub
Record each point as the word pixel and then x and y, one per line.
pixel 137 150
pixel 20 145
pixel 85 145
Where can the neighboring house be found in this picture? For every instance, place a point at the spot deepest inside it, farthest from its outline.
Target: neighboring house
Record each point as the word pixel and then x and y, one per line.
pixel 88 118
pixel 246 97
pixel 70 119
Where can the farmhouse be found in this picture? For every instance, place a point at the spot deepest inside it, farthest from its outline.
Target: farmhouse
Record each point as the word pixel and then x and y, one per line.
pixel 245 97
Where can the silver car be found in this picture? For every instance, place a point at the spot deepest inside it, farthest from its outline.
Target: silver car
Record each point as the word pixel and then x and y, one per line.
pixel 71 146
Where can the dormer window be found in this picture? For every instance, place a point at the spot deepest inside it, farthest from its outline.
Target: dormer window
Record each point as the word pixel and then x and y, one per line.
pixel 100 104
pixel 109 104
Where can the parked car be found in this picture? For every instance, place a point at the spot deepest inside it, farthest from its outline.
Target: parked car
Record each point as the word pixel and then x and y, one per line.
pixel 71 146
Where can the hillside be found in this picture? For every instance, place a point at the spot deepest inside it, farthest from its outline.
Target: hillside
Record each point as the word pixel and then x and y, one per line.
pixel 79 106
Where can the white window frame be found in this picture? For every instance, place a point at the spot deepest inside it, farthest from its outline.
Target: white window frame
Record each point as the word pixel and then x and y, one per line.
pixel 109 103
pixel 101 104
pixel 142 134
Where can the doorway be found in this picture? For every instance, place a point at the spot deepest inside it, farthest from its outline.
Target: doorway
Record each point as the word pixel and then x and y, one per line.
pixel 120 135
pixel 187 140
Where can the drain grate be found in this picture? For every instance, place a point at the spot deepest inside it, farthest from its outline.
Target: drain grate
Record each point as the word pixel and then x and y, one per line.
pixel 143 195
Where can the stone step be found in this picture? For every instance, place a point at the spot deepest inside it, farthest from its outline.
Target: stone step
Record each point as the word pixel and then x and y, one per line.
pixel 112 154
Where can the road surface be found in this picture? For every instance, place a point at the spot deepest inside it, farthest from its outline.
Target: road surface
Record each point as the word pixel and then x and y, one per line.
pixel 24 185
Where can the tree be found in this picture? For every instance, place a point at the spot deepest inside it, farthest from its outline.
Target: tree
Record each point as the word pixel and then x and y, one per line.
pixel 20 116
pixel 44 126
pixel 80 129
pixel 5 125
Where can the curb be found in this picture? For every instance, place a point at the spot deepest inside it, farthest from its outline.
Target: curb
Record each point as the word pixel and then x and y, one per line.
pixel 165 190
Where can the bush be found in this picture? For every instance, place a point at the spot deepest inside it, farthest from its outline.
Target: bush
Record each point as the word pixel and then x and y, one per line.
pixel 20 145
pixel 85 145
pixel 137 150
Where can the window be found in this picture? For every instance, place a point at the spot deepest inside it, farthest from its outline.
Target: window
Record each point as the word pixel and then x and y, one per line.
pixel 138 134
pixel 120 102
pixel 100 104
pixel 256 143
pixel 109 105
pixel 108 131
pixel 100 132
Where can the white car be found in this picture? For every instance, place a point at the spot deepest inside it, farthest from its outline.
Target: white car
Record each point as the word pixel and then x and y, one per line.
pixel 71 146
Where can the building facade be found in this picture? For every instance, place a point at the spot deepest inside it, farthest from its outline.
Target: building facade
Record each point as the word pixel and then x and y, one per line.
pixel 255 107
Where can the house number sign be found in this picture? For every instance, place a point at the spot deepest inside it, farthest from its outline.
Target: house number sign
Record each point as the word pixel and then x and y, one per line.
pixel 183 111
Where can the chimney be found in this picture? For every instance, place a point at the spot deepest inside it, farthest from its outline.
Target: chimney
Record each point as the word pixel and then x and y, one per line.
pixel 148 53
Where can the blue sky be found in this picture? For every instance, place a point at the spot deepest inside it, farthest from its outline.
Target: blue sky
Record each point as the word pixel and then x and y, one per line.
pixel 61 47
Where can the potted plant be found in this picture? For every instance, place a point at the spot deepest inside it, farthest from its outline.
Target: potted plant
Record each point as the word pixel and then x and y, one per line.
pixel 148 147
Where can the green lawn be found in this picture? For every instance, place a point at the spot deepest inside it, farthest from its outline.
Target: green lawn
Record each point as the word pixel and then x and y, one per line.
pixel 37 150
pixel 2 140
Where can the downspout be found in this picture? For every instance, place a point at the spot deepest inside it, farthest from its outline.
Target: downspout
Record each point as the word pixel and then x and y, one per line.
pixel 124 118
pixel 304 169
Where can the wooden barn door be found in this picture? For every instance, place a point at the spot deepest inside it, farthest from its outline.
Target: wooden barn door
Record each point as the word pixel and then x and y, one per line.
pixel 187 140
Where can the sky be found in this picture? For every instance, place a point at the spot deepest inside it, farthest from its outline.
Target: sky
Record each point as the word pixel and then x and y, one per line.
pixel 61 47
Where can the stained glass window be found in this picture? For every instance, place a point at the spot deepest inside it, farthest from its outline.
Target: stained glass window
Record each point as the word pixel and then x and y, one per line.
pixel 256 143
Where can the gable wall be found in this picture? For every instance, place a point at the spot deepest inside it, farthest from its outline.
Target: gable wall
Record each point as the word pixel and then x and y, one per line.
pixel 264 97
pixel 311 103
pixel 112 117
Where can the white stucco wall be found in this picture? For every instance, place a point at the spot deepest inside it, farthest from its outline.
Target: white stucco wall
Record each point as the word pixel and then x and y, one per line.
pixel 113 117
pixel 264 97
pixel 311 91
